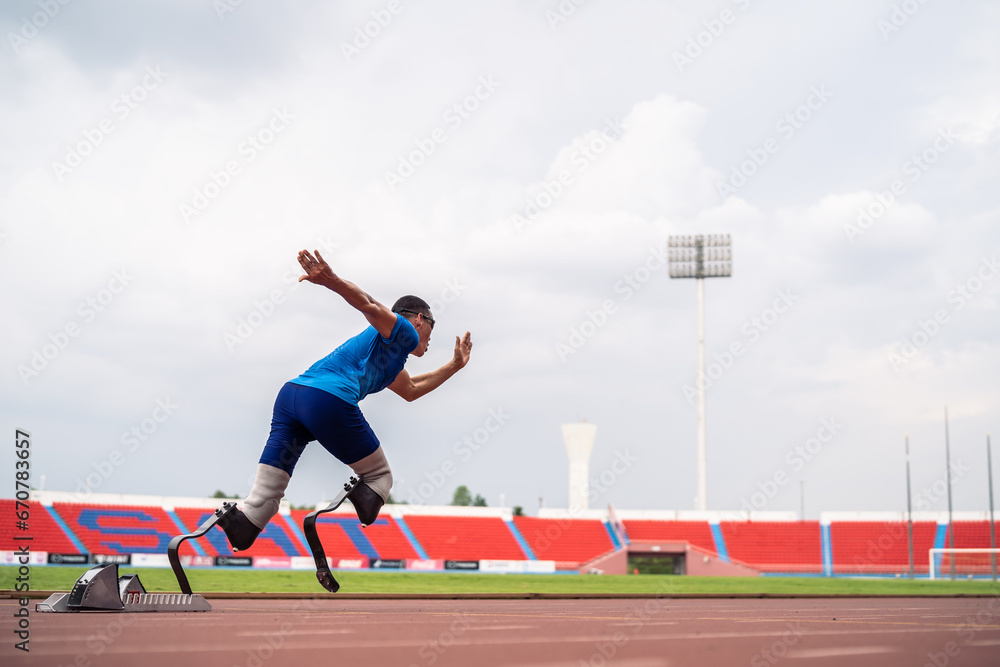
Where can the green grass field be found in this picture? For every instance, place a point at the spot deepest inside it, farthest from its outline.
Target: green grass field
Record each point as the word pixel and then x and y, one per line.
pixel 282 581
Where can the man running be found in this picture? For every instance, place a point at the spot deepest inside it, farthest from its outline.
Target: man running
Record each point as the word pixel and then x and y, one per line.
pixel 322 403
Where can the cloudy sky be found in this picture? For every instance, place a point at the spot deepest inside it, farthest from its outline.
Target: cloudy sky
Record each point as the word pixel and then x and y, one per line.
pixel 520 165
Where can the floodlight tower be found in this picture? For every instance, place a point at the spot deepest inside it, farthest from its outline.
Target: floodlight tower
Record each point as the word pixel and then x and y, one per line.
pixel 699 257
pixel 579 439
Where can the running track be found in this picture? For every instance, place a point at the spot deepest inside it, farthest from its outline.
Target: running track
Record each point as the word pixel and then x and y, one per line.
pixel 551 633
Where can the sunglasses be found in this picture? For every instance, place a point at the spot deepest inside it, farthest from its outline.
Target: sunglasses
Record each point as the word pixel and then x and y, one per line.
pixel 413 312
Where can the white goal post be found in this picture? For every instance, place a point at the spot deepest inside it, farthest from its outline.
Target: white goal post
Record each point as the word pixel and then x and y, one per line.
pixel 967 562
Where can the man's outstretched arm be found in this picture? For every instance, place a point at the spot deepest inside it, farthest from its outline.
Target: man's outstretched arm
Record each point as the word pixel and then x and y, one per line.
pixel 412 388
pixel 320 273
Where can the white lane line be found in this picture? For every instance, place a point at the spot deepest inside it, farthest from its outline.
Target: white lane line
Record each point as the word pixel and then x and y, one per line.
pixel 317 631
pixel 641 623
pixel 618 662
pixel 56 646
pixel 838 651
pixel 984 642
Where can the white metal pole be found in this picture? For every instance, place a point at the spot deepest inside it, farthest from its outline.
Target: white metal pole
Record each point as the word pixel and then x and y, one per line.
pixel 951 525
pixel 702 457
pixel 909 508
pixel 993 537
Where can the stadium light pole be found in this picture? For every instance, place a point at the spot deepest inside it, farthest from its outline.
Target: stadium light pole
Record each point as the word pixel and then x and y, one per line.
pixel 993 537
pixel 909 508
pixel 701 256
pixel 951 526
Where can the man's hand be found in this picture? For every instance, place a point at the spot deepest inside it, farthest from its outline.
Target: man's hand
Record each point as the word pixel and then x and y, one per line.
pixel 463 348
pixel 320 273
pixel 412 388
pixel 317 270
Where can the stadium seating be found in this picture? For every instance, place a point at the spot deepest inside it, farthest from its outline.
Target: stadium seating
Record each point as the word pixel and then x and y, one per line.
pixel 697 533
pixel 872 547
pixel 277 539
pixel 45 533
pixel 849 545
pixel 118 529
pixel 465 537
pixel 775 546
pixel 567 540
pixel 343 536
pixel 973 534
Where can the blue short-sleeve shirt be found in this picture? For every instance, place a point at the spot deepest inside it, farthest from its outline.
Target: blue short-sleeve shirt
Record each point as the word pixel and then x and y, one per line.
pixel 364 364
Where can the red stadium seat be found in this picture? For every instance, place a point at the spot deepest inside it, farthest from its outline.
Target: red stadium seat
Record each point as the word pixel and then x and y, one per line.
pixel 276 540
pixel 775 546
pixel 119 529
pixel 697 533
pixel 465 537
pixel 45 532
pixel 874 547
pixel 574 540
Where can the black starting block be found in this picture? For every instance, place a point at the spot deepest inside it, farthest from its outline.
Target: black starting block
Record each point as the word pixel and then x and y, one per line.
pixel 175 544
pixel 323 573
pixel 101 589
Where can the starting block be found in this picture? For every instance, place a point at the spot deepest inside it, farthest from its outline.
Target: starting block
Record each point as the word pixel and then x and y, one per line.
pixel 101 589
pixel 323 573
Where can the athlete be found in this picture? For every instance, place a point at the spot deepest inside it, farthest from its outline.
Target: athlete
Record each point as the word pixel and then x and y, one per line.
pixel 322 403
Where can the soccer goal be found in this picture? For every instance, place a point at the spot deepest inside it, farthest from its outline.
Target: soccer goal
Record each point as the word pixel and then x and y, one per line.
pixel 965 563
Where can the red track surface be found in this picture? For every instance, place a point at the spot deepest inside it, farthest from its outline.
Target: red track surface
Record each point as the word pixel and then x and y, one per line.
pixel 554 633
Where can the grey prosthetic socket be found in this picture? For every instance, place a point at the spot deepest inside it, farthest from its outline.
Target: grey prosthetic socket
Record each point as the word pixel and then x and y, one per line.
pixel 265 496
pixel 369 497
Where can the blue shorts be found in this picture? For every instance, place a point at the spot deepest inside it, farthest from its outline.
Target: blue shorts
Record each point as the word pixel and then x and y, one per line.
pixel 303 414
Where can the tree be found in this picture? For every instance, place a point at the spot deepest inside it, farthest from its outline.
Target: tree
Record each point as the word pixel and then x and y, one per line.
pixel 462 496
pixel 518 510
pixel 479 501
pixel 219 493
